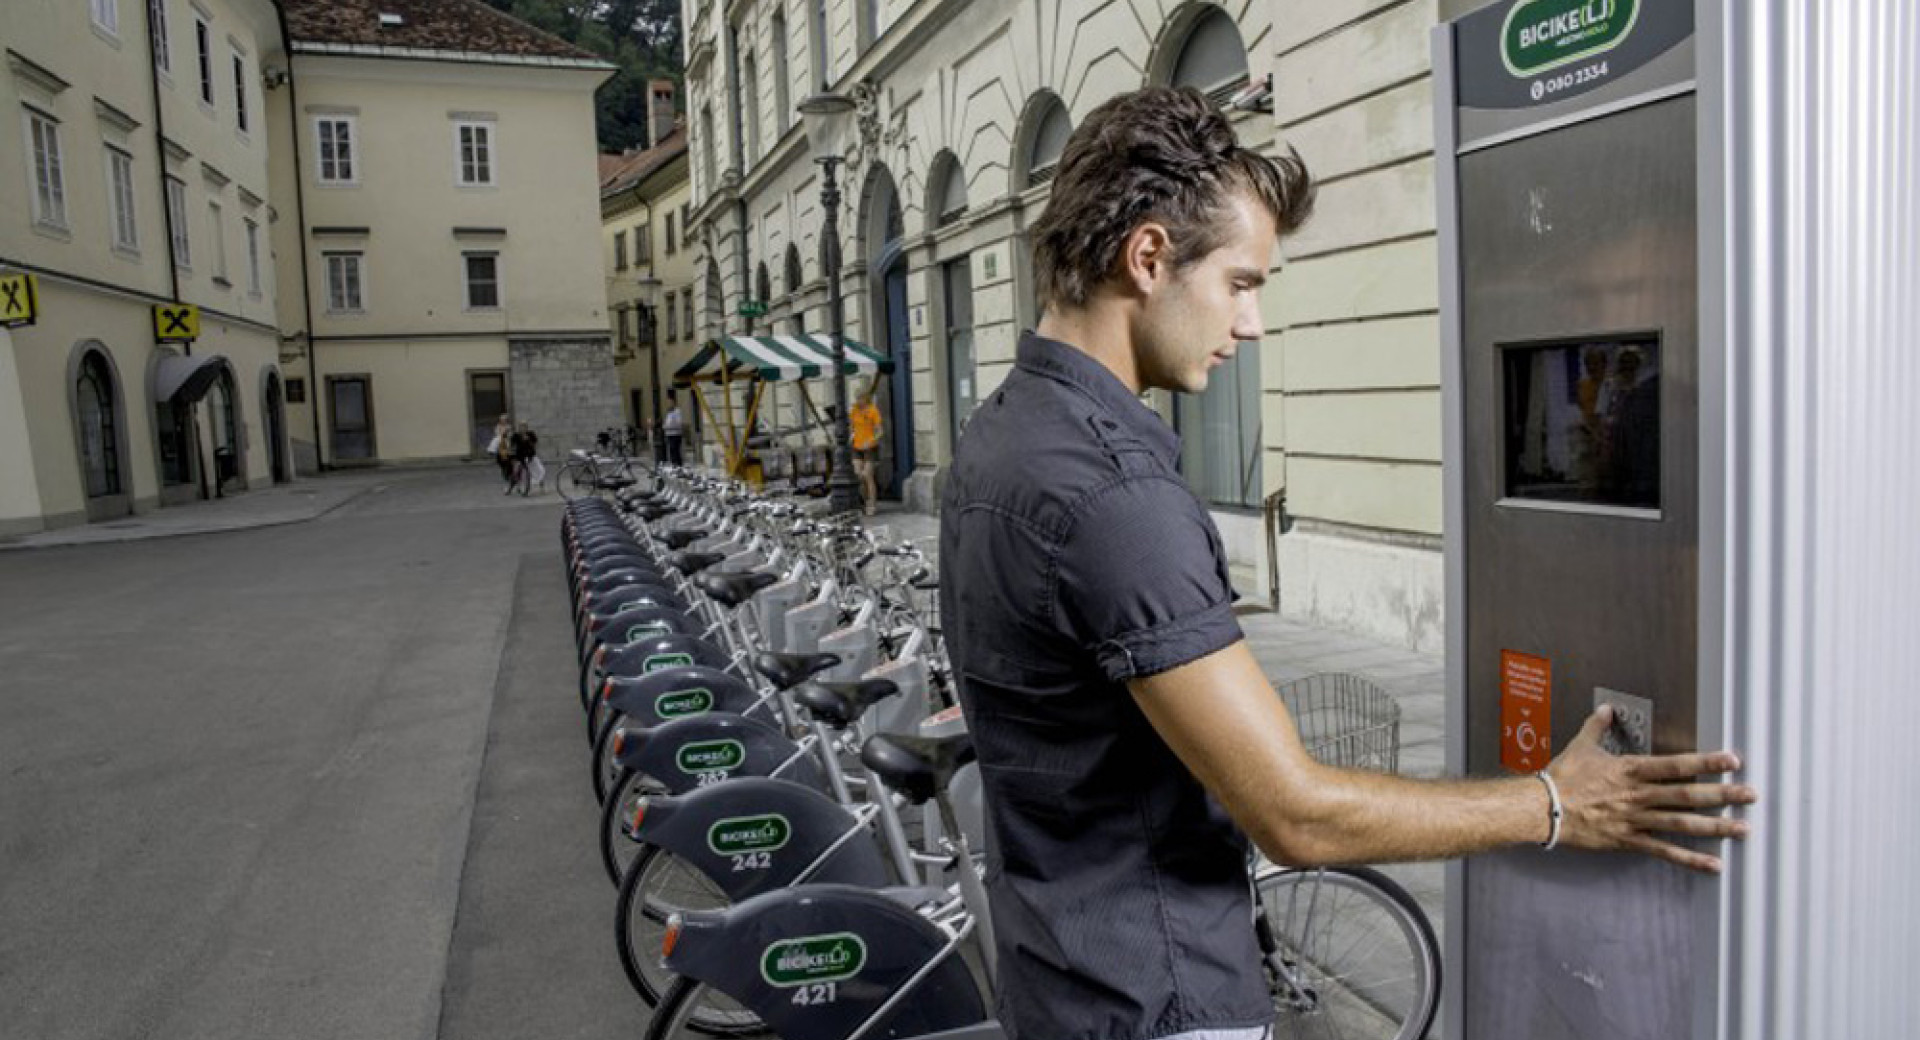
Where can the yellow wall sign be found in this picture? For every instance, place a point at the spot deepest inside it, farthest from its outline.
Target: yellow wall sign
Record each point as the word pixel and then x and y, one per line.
pixel 19 300
pixel 176 322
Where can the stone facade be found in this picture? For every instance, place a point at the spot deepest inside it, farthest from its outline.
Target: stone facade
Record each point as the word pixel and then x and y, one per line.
pixel 566 389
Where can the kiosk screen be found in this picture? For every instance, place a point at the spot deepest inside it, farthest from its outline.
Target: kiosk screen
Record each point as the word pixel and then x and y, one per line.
pixel 1583 421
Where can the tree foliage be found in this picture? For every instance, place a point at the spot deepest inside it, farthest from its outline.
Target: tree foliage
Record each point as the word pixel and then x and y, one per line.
pixel 640 37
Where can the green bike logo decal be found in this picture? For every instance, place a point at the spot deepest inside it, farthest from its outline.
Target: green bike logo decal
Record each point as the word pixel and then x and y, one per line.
pixel 743 834
pixel 682 703
pixel 812 959
pixel 659 661
pixel 1546 34
pixel 711 756
pixel 651 628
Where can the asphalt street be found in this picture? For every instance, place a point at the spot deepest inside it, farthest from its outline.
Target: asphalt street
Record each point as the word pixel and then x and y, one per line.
pixel 317 780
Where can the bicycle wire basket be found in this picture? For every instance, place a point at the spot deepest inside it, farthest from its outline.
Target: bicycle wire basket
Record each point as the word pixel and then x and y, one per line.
pixel 1346 721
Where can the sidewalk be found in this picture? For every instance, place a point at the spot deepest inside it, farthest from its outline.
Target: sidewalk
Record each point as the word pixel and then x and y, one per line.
pixel 307 498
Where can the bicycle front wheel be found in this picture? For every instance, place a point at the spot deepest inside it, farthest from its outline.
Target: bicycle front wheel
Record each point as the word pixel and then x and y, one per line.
pixel 689 1008
pixel 1348 954
pixel 573 482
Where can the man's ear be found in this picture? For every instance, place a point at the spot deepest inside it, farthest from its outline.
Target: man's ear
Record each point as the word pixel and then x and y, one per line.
pixel 1145 256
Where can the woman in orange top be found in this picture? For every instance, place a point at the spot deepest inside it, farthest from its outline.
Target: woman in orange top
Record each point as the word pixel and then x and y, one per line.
pixel 865 421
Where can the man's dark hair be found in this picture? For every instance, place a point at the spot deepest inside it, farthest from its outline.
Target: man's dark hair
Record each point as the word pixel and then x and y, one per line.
pixel 1162 154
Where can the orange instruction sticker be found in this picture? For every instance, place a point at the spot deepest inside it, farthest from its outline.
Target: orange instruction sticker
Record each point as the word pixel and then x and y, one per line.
pixel 1526 711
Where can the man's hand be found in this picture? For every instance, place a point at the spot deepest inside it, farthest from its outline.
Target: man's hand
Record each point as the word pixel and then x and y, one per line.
pixel 1620 803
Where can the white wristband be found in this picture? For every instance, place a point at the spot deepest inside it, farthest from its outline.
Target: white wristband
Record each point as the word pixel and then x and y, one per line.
pixel 1554 811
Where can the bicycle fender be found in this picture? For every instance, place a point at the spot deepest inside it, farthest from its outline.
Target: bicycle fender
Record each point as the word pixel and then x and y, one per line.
pixel 636 621
pixel 676 693
pixel 752 835
pixel 814 962
pixel 657 652
pixel 703 750
pixel 607 581
pixel 605 604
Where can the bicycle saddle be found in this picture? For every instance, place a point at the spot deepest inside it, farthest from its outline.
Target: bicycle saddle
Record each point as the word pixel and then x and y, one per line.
pixel 732 588
pixel 692 563
pixel 918 767
pixel 840 704
pixel 789 670
pixel 651 511
pixel 679 538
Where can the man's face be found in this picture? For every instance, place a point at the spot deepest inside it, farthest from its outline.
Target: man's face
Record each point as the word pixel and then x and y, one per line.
pixel 1198 315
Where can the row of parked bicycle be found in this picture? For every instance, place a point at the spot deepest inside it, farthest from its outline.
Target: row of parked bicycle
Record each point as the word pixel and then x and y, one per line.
pixel 788 805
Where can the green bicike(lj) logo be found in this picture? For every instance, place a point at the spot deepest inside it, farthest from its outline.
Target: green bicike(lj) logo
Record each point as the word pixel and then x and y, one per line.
pixel 1546 34
pixel 711 756
pixel 659 661
pixel 681 703
pixel 813 958
pixel 743 834
pixel 651 628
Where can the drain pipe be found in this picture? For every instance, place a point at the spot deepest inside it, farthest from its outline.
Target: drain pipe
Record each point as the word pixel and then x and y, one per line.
pixel 300 229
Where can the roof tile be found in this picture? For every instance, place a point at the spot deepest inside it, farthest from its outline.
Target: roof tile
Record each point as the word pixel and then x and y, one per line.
pixel 439 25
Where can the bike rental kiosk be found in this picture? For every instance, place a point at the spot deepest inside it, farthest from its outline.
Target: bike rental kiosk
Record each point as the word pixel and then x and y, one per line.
pixel 1627 227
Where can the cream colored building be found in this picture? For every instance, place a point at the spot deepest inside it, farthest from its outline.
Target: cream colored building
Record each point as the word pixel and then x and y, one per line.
pixel 963 108
pixel 644 203
pixel 138 177
pixel 446 243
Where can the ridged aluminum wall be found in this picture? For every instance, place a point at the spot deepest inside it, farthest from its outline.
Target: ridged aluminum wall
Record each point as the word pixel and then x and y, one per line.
pixel 1822 147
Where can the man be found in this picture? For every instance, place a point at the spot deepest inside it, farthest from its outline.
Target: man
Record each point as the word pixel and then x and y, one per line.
pixel 864 422
pixel 675 430
pixel 1129 743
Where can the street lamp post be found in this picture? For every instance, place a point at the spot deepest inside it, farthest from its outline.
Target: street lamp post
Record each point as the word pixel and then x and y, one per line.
pixel 650 303
pixel 826 116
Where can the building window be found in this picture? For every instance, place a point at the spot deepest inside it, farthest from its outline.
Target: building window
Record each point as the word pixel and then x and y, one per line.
pixel 203 38
pixel 670 243
pixel 296 390
pixel 126 232
pixel 870 23
pixel 1220 442
pixel 950 198
pixel 673 320
pixel 177 221
pixel 106 16
pixel 240 92
pixel 162 36
pixel 643 244
pixel 49 179
pixel 253 255
pixel 483 281
pixel 706 150
pixel 750 100
pixel 99 426
pixel 626 326
pixel 335 137
pixel 1049 140
pixel 782 113
pixel 473 143
pixel 686 310
pixel 822 72
pixel 620 250
pixel 345 284
pixel 218 218
pixel 1213 60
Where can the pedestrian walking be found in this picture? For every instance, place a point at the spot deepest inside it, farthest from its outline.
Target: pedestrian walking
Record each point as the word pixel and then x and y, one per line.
pixel 675 429
pixel 864 422
pixel 501 448
pixel 1129 744
pixel 526 459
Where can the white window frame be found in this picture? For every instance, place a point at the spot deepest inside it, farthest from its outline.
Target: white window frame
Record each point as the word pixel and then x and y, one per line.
pixel 217 216
pixel 488 164
pixel 106 16
pixel 162 37
pixel 177 217
pixel 45 159
pixel 203 46
pixel 241 121
pixel 467 283
pixel 346 275
pixel 252 227
pixel 123 224
pixel 350 166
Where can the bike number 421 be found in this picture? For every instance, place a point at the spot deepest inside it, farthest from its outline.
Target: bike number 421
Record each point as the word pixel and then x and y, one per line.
pixel 817 993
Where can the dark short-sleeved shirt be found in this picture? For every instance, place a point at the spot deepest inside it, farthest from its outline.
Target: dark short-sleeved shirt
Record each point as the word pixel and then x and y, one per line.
pixel 1074 558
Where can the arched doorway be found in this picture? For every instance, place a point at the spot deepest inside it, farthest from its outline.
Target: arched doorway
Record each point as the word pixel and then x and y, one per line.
pixel 883 234
pixel 99 427
pixel 274 415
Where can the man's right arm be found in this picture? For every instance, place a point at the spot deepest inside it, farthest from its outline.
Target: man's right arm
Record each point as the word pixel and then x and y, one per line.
pixel 1224 720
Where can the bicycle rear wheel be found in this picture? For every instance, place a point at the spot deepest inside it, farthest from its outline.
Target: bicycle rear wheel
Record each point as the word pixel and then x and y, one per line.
pixel 1349 954
pixel 659 884
pixel 688 1008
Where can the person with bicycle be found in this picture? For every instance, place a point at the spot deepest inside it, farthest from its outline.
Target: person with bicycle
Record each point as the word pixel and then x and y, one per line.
pixel 525 445
pixel 1129 744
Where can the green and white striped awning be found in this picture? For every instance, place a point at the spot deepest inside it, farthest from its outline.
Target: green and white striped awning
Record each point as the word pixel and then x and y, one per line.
pixel 783 358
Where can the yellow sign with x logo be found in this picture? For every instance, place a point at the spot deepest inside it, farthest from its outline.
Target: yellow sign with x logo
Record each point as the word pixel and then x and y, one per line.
pixel 19 300
pixel 176 322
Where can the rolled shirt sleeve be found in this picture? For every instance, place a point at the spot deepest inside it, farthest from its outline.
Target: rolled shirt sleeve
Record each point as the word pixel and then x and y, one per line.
pixel 1141 581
